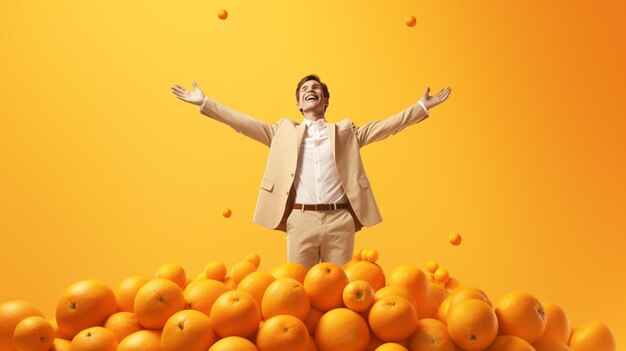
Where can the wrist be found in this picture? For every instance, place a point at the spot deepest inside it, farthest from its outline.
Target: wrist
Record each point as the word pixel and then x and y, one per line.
pixel 202 101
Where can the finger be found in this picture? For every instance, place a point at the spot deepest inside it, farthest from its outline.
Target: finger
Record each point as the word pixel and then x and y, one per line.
pixel 178 89
pixel 195 85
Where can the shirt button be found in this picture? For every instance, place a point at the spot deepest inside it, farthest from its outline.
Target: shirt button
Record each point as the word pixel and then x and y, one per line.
pixel 292 174
pixel 287 193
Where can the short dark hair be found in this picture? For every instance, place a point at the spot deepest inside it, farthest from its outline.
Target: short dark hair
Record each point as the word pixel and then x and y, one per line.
pixel 316 78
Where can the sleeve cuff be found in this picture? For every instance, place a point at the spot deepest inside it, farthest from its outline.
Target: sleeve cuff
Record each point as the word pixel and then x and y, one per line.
pixel 423 106
pixel 204 103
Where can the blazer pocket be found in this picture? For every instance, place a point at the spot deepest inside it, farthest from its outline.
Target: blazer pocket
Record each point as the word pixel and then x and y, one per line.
pixel 267 185
pixel 364 183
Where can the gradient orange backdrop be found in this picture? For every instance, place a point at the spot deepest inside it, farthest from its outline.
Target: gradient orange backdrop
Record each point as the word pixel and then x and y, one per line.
pixel 104 174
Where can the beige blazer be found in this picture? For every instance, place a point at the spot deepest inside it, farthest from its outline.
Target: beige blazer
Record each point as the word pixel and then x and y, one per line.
pixel 284 138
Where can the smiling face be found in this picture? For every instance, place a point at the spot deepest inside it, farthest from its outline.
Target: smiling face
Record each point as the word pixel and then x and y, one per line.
pixel 312 95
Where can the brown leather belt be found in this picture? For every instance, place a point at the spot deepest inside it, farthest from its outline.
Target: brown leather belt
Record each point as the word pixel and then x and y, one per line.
pixel 320 207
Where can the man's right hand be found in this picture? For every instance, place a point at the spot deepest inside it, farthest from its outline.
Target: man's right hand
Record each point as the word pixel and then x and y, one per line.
pixel 195 96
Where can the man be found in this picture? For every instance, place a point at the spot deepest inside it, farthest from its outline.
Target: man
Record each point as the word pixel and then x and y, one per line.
pixel 314 187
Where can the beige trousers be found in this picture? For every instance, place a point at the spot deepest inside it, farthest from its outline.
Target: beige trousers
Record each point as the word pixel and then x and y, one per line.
pixel 314 236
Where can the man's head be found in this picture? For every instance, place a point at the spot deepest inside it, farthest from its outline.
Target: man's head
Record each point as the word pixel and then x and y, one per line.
pixel 312 94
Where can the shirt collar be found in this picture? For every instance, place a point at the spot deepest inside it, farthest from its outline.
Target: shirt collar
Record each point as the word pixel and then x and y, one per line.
pixel 320 123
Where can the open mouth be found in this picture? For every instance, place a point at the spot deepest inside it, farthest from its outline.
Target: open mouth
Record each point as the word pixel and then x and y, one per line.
pixel 311 98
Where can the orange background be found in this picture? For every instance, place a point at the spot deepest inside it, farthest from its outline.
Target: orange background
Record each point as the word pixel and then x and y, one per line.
pixel 106 175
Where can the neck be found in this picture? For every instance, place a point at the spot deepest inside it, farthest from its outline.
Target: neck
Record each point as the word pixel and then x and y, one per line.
pixel 313 115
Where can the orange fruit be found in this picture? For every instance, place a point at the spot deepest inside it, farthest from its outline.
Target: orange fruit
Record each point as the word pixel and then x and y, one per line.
pixel 61 345
pixel 391 346
pixel 312 319
pixel 593 336
pixel 432 323
pixel 255 284
pixel 173 272
pixel 235 313
pixel 358 296
pixel 126 291
pixel 11 314
pixel 324 283
pixel 550 344
pixel 442 275
pixel 230 283
pixel 285 296
pixel 341 329
pixel 432 266
pixel 156 301
pixel 413 279
pixel 201 294
pixel 557 323
pixel 442 311
pixel 227 212
pixel 33 333
pixel 84 304
pixel 222 14
pixel 510 343
pixel 283 333
pixel 240 270
pixel 452 283
pixel 369 255
pixel 472 324
pixel 290 270
pixel 233 343
pixel 463 293
pixel 399 291
pixel 55 328
pixel 431 335
pixel 521 314
pixel 435 294
pixel 215 270
pixel 143 340
pixel 455 239
pixel 94 338
pixel 122 324
pixel 368 271
pixel 392 318
pixel 187 330
pixel 357 254
pixel 254 259
pixel 410 21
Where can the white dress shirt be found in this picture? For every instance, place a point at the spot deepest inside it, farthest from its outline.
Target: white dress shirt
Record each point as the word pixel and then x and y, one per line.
pixel 317 180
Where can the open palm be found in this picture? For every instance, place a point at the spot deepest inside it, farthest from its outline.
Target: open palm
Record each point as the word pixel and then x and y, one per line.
pixel 195 96
pixel 432 101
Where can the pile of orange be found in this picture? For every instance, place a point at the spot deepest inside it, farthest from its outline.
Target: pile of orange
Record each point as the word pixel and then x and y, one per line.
pixel 356 307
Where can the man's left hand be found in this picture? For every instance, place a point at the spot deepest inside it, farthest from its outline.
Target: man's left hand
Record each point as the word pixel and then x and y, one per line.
pixel 432 101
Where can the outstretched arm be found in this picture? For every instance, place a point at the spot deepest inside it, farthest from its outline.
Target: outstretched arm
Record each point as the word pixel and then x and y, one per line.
pixel 379 130
pixel 254 128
